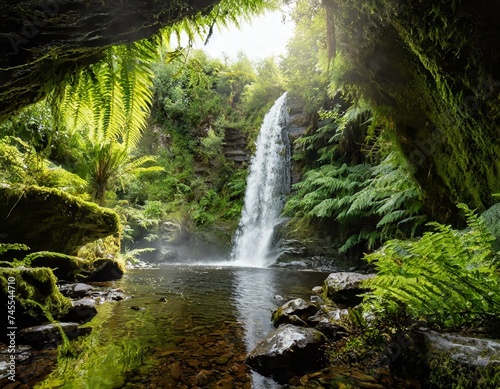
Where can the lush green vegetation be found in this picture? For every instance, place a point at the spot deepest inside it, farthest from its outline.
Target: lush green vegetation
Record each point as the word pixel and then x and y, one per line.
pixel 448 277
pixel 399 137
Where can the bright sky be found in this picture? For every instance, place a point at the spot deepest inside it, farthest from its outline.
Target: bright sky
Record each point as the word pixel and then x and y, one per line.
pixel 262 37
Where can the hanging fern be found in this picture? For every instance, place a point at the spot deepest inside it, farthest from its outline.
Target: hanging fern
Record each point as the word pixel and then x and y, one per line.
pixel 448 276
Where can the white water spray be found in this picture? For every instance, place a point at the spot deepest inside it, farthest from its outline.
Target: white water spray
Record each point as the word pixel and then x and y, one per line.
pixel 267 184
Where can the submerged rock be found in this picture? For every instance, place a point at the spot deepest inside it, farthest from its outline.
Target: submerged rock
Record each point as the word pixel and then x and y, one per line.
pixel 344 288
pixel 288 351
pixel 50 332
pixel 294 312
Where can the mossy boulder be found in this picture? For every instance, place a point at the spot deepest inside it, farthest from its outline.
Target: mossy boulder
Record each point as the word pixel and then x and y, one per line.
pixel 64 267
pixel 37 297
pixel 48 219
pixel 105 269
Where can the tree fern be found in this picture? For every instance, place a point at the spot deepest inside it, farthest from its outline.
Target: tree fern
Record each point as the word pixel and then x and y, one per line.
pixel 447 276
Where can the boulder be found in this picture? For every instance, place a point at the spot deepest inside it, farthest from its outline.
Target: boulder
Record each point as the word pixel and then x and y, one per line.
pixel 294 312
pixel 105 269
pixel 330 322
pixel 344 288
pixel 65 267
pixel 50 333
pixel 173 232
pixel 82 311
pixel 77 290
pixel 37 297
pixel 48 219
pixel 288 351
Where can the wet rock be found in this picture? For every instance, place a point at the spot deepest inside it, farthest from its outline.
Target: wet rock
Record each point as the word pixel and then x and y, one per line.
pixel 137 308
pixel 235 146
pixel 203 378
pixel 173 232
pixel 295 311
pixel 223 359
pixel 318 289
pixel 83 311
pixel 106 269
pixel 176 371
pixel 450 359
pixel 344 288
pixel 288 351
pixel 225 383
pixel 50 332
pixel 329 322
pixel 473 351
pixel 316 300
pixel 75 290
pixel 33 364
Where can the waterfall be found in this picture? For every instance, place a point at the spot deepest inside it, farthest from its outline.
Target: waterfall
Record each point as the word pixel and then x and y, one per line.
pixel 267 184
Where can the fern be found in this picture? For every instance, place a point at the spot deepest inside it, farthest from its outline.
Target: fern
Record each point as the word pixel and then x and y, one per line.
pixel 447 276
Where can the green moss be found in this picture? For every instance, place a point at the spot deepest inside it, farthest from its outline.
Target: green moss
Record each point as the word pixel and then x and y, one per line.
pixel 81 362
pixel 64 267
pixel 445 372
pixel 48 219
pixel 37 297
pixel 434 69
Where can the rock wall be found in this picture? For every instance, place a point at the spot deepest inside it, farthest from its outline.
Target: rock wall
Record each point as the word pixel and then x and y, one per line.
pixel 44 41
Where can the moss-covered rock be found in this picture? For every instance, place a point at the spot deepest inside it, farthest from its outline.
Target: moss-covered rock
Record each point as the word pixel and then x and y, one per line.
pixel 64 267
pixel 456 361
pixel 37 297
pixel 52 220
pixel 105 269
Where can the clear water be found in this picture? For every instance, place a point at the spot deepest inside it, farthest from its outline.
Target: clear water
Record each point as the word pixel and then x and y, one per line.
pixel 267 183
pixel 210 312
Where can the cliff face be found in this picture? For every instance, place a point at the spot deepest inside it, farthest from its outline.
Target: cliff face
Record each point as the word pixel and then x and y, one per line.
pixel 44 41
pixel 434 70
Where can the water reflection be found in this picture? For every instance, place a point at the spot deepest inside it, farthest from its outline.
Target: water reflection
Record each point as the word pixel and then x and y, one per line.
pixel 253 292
pixel 188 319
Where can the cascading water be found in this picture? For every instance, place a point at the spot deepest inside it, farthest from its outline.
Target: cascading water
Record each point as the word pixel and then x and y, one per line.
pixel 267 184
